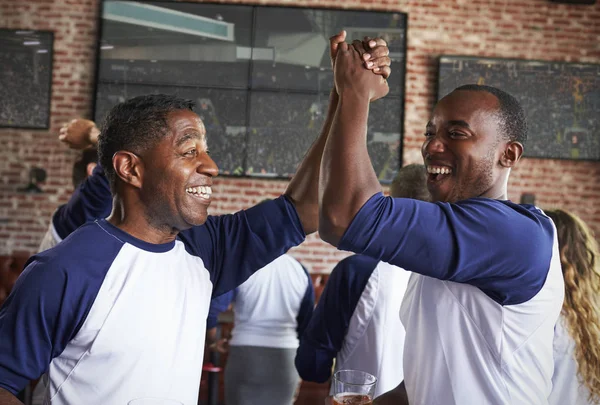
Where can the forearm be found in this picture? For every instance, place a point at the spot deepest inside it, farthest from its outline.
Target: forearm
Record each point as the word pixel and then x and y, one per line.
pixel 6 398
pixel 303 188
pixel 397 396
pixel 347 179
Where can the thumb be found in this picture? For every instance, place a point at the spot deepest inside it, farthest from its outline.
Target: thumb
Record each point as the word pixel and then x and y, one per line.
pixel 335 41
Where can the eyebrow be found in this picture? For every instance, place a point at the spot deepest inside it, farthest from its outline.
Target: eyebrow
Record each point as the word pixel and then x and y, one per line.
pixel 187 136
pixel 459 123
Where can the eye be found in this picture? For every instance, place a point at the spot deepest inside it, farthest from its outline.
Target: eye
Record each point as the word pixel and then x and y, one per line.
pixel 454 134
pixel 191 152
pixel 207 152
pixel 428 134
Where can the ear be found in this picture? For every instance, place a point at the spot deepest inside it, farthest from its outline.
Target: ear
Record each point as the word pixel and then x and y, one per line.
pixel 129 168
pixel 511 155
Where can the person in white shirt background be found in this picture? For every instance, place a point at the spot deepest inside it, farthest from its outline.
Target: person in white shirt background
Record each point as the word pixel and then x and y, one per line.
pixel 576 378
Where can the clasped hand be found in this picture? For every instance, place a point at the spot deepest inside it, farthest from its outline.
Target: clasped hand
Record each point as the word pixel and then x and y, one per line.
pixel 361 68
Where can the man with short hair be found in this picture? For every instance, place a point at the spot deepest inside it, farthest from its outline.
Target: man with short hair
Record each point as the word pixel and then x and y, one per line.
pixel 480 311
pixel 117 310
pixel 356 321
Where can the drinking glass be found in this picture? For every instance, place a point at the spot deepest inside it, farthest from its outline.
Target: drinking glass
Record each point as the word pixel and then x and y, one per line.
pixel 353 387
pixel 153 401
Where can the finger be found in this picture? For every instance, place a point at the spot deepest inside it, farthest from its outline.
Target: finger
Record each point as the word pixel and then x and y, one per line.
pixel 384 71
pixel 335 41
pixel 379 52
pixel 381 62
pixel 358 45
pixel 376 42
pixel 343 46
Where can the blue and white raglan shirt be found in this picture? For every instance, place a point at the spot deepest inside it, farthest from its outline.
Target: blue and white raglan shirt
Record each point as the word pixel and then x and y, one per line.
pixel 273 307
pixel 111 318
pixel 480 312
pixel 357 323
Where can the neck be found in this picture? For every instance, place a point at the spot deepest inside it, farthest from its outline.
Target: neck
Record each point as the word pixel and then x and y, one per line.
pixel 131 218
pixel 499 191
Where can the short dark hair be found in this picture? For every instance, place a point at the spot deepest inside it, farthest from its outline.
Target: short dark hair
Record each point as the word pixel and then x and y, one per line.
pixel 136 125
pixel 411 182
pixel 79 173
pixel 512 115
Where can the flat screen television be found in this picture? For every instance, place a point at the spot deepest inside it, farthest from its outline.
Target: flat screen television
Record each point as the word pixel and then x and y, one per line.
pixel 260 76
pixel 25 78
pixel 561 100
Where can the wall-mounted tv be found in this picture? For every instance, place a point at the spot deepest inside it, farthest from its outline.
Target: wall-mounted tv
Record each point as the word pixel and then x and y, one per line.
pixel 561 100
pixel 260 76
pixel 25 78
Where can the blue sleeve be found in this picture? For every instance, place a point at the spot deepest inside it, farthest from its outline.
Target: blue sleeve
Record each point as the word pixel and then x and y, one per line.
pixel 234 246
pixel 500 247
pixel 91 200
pixel 217 305
pixel 327 329
pixel 306 306
pixel 39 318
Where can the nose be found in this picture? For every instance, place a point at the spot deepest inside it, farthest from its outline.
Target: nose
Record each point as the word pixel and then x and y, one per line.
pixel 207 166
pixel 433 145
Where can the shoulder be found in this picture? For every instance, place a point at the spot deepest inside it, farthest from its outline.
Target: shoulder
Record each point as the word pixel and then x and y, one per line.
pixel 89 247
pixel 352 273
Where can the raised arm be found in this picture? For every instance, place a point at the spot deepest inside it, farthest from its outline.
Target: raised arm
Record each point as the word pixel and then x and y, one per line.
pixel 347 178
pixel 91 200
pixel 303 188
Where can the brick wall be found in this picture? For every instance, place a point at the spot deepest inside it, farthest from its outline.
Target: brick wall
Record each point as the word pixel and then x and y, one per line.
pixel 531 29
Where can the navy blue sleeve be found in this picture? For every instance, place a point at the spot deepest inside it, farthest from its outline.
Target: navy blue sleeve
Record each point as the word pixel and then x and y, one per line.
pixel 39 318
pixel 326 331
pixel 217 305
pixel 500 247
pixel 234 246
pixel 91 200
pixel 306 306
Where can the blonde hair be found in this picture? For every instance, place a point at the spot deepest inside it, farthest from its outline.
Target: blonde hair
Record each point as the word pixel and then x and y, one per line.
pixel 579 257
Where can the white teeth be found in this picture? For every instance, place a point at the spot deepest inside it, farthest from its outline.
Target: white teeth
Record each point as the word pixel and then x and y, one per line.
pixel 202 191
pixel 438 170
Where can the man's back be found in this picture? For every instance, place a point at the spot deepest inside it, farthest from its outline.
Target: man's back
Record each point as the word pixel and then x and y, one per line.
pixel 271 304
pixel 375 339
pixel 357 322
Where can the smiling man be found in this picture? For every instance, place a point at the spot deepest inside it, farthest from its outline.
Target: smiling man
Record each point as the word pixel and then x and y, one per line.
pixel 118 309
pixel 480 311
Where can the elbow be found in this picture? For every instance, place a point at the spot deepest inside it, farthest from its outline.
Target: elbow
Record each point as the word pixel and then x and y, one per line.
pixel 331 227
pixel 311 370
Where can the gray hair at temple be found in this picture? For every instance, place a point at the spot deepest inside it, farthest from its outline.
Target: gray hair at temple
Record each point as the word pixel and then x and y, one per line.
pixel 411 182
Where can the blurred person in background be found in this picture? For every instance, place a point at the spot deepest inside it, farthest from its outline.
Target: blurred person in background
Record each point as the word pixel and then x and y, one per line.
pixel 357 321
pixel 576 378
pixel 271 311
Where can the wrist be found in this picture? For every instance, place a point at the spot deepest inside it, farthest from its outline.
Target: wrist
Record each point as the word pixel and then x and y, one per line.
pixel 353 95
pixel 93 134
